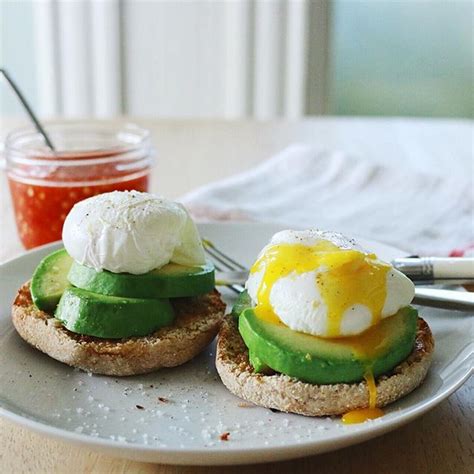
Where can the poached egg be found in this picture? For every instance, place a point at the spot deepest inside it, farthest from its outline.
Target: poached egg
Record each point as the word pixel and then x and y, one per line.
pixel 131 232
pixel 324 284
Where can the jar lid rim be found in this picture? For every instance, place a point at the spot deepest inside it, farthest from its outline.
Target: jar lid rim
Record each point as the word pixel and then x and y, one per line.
pixel 142 139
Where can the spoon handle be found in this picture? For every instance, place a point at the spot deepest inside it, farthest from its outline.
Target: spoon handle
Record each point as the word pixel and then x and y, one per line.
pixel 28 108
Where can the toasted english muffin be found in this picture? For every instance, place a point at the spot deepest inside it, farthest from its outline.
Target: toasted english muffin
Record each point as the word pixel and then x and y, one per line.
pixel 283 393
pixel 196 324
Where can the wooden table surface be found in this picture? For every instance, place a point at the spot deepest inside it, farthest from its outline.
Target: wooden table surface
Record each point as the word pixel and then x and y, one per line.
pixel 191 153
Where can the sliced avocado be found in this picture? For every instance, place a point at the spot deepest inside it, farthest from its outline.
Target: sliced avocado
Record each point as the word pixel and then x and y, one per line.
pixel 323 361
pixel 257 363
pixel 170 281
pixel 50 280
pixel 92 314
pixel 242 302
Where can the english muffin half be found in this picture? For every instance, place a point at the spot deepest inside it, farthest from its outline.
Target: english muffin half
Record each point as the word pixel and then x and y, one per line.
pixel 281 392
pixel 195 326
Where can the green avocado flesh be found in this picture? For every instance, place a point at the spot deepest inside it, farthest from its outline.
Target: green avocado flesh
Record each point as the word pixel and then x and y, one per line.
pixel 170 281
pixel 109 305
pixel 325 361
pixel 103 316
pixel 50 280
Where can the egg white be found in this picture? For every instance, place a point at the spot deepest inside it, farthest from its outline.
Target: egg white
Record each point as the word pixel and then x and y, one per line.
pixel 131 232
pixel 298 303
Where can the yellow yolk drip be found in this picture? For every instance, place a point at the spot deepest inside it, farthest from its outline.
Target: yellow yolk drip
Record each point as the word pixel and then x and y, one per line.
pixel 347 277
pixel 369 343
pixel 363 414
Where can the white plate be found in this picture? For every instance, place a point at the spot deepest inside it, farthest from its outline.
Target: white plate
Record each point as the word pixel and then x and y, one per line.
pixel 100 412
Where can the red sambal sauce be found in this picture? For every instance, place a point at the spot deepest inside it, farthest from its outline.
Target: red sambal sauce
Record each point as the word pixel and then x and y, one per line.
pixel 40 209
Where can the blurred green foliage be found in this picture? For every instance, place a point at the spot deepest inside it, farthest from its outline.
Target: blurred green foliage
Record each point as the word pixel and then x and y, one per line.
pixel 411 58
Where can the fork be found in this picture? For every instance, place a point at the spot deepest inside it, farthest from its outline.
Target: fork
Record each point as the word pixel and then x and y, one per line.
pixel 224 265
pixel 231 273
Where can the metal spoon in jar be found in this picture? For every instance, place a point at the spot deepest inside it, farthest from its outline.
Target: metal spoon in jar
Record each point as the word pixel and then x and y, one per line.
pixel 28 108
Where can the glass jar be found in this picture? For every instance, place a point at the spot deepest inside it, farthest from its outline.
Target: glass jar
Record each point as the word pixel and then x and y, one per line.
pixel 89 159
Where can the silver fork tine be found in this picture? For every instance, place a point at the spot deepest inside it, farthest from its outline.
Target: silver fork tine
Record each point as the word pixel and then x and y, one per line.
pixel 219 259
pixel 220 256
pixel 235 288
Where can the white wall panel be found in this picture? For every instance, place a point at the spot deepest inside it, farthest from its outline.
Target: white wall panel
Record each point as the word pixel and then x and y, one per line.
pixel 106 58
pixel 47 58
pixel 296 53
pixel 187 58
pixel 174 55
pixel 269 66
pixel 238 64
pixel 74 58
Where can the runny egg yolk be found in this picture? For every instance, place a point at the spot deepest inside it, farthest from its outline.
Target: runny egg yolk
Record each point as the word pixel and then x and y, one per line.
pixel 346 277
pixel 363 414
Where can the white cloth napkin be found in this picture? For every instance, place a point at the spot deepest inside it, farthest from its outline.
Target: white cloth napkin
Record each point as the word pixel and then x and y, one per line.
pixel 307 187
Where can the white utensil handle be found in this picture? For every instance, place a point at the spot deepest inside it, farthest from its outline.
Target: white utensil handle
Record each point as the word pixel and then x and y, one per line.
pixel 447 299
pixel 453 267
pixel 435 268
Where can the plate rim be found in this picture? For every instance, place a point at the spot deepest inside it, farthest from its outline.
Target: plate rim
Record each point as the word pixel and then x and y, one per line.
pixel 233 454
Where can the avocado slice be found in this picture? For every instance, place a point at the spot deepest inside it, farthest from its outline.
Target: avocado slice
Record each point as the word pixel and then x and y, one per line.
pixel 113 317
pixel 50 280
pixel 170 281
pixel 324 361
pixel 242 302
